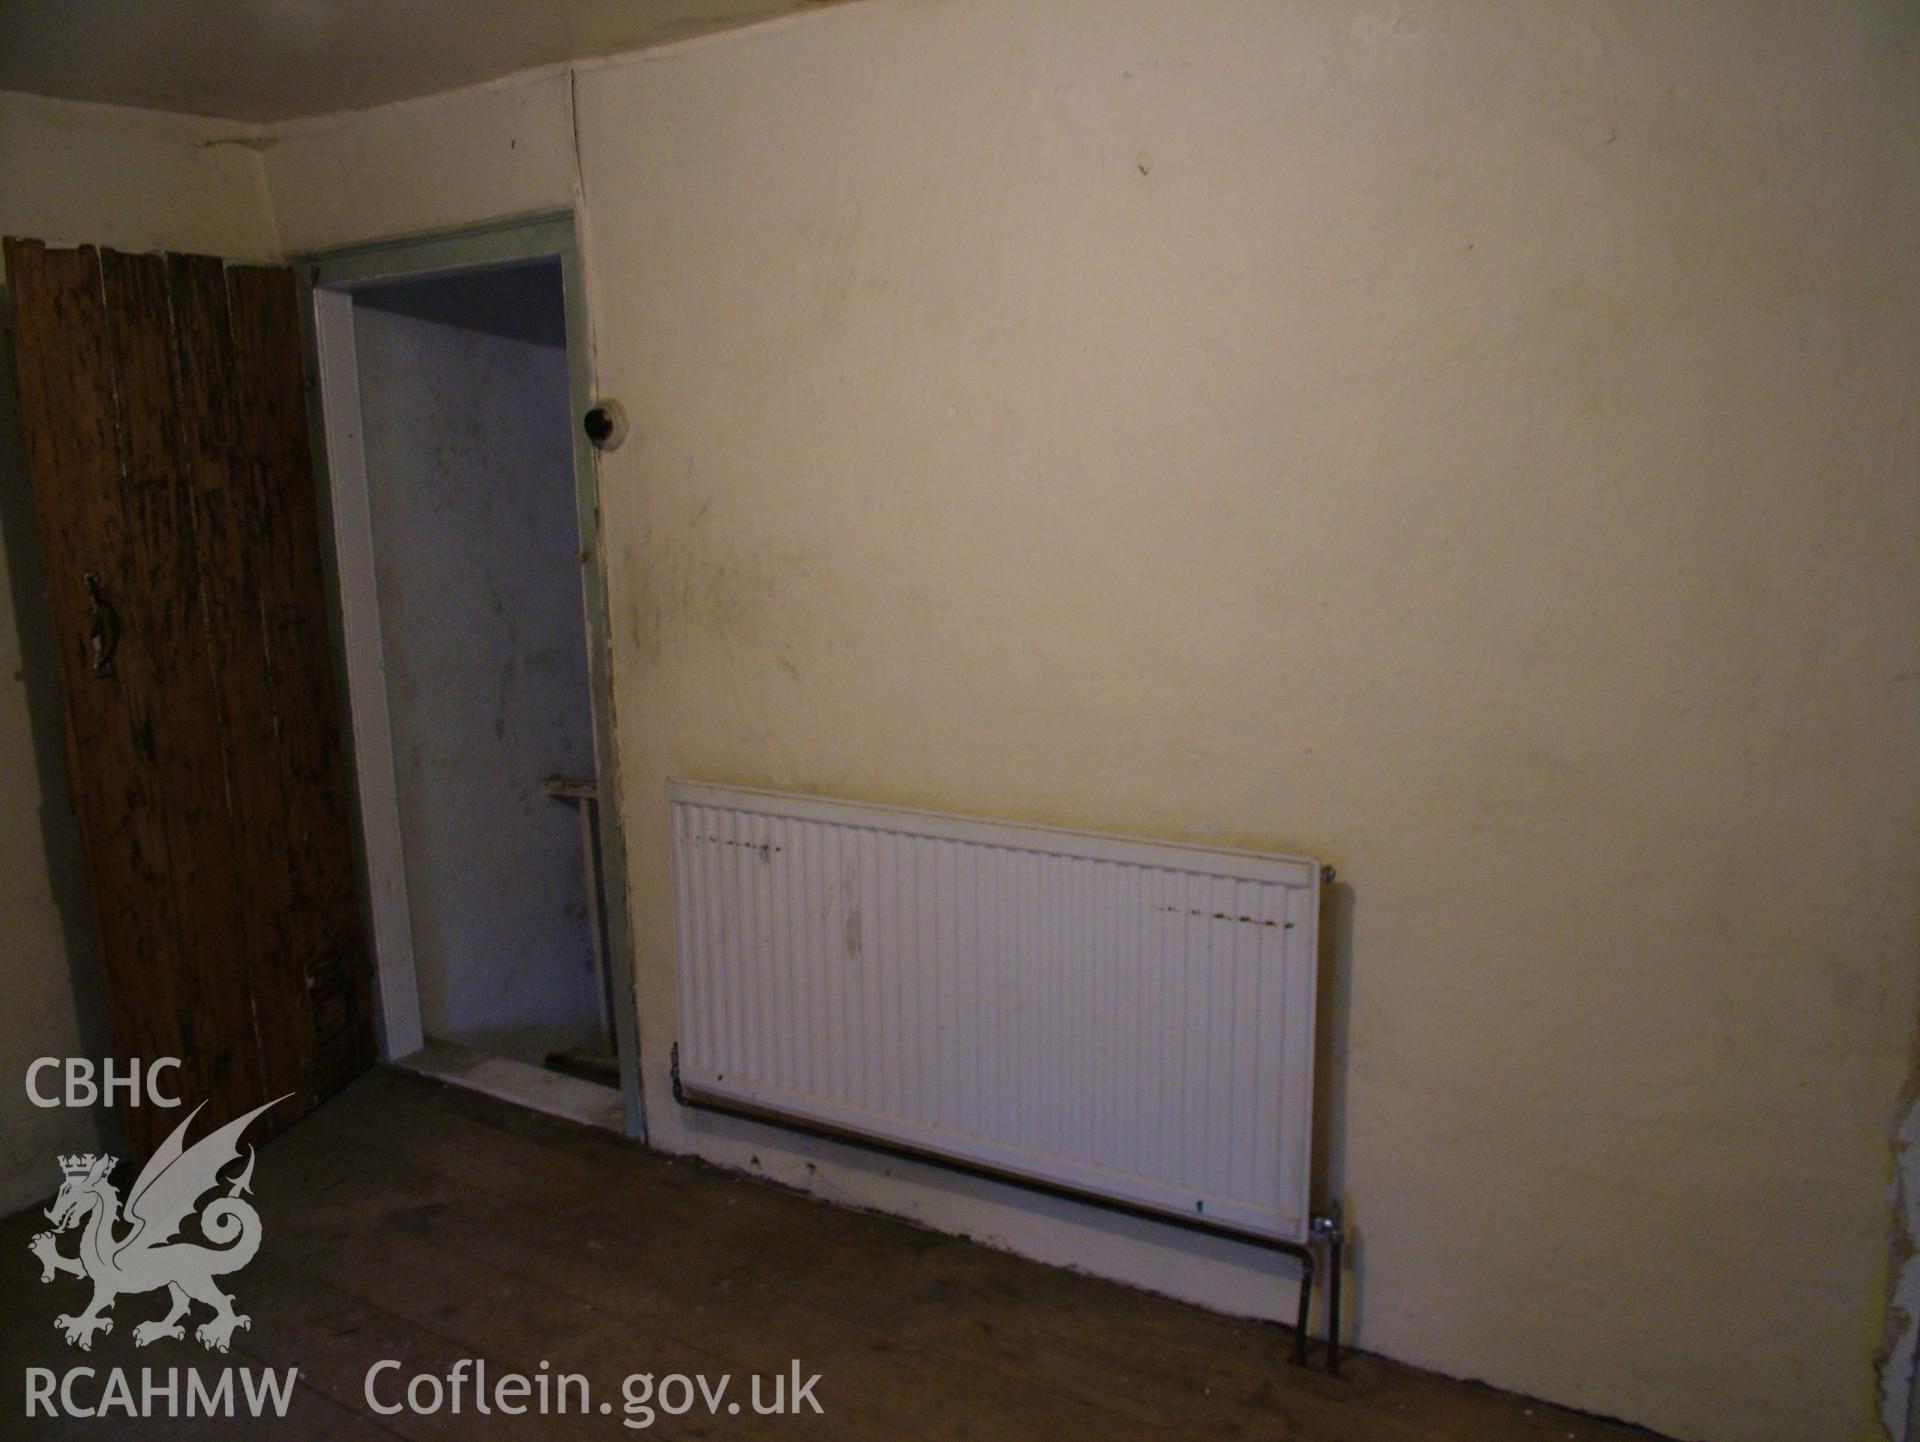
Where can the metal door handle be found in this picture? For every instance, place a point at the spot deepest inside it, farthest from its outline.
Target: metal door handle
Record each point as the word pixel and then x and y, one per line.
pixel 106 624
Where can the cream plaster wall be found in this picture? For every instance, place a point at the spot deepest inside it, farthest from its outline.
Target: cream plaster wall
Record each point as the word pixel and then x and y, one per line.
pixel 1473 443
pixel 420 165
pixel 132 179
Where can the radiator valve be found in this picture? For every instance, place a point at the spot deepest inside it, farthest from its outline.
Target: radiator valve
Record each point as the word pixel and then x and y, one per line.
pixel 1324 1226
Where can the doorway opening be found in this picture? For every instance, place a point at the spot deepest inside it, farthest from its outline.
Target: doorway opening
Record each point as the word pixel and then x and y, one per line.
pixel 464 519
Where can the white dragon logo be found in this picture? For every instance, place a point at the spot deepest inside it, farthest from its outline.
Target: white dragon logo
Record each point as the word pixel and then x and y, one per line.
pixel 146 1257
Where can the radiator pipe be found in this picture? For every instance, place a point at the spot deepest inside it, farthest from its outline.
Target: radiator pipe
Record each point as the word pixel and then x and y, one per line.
pixel 1323 1227
pixel 1334 1248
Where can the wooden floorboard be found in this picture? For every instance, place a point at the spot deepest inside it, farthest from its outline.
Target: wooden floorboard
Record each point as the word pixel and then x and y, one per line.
pixel 411 1221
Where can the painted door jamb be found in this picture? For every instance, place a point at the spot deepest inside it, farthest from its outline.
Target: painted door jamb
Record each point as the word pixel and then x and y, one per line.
pixel 326 280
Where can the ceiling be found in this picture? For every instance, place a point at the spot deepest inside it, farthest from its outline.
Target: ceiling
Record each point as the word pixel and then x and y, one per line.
pixel 277 59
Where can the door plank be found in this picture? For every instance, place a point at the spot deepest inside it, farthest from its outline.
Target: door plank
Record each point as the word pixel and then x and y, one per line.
pixel 60 330
pixel 229 564
pixel 163 405
pixel 181 792
pixel 223 1059
pixel 65 370
pixel 327 933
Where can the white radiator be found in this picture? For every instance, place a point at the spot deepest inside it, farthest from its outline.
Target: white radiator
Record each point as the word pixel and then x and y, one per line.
pixel 1113 1017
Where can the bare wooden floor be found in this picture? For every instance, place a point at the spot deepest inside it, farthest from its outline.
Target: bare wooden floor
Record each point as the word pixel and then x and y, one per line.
pixel 409 1221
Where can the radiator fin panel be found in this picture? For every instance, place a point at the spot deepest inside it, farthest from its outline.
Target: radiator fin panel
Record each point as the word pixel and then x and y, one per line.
pixel 1129 1019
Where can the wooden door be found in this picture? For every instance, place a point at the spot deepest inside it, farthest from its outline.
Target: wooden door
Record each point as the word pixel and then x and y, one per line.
pixel 163 405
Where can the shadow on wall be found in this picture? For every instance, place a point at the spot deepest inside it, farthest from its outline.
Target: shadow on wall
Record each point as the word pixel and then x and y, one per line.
pixel 514 302
pixel 59 829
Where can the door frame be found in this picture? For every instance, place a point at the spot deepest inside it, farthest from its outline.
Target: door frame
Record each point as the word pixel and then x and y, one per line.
pixel 327 280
